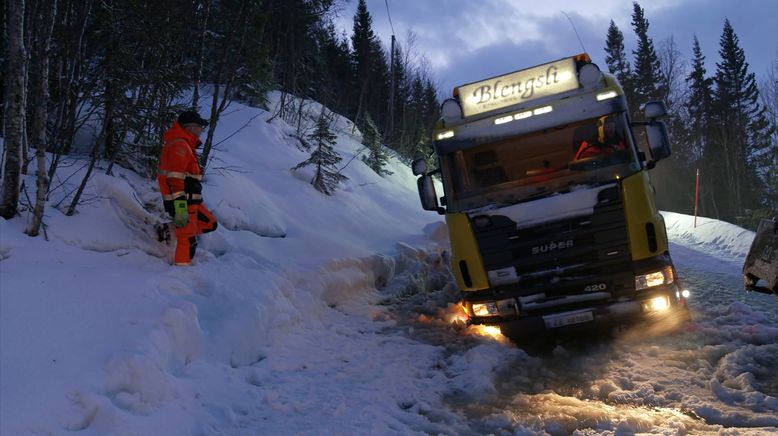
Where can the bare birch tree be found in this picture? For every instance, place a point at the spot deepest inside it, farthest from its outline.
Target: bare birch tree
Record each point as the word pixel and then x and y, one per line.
pixel 15 112
pixel 46 11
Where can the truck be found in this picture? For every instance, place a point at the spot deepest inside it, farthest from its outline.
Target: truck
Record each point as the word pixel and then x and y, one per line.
pixel 542 238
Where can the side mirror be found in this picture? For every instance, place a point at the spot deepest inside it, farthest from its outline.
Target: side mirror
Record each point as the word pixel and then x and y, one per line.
pixel 427 194
pixel 658 140
pixel 654 109
pixel 419 167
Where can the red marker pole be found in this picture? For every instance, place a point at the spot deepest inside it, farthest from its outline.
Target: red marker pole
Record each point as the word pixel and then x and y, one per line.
pixel 696 198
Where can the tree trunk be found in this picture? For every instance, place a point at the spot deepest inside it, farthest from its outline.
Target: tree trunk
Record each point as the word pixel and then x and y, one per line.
pixel 229 66
pixel 48 10
pixel 14 99
pixel 201 56
pixel 105 132
pixel 68 77
pixel 82 186
pixel 211 127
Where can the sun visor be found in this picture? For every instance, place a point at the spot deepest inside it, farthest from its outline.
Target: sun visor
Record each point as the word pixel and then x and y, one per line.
pixel 485 131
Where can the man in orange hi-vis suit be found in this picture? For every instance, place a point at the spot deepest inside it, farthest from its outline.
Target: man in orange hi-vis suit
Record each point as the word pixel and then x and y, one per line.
pixel 607 142
pixel 179 179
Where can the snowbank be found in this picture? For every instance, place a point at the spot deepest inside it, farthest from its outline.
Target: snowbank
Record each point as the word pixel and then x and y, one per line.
pixel 717 238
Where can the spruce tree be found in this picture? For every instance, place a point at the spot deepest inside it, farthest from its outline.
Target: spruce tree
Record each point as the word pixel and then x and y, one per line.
pixel 324 158
pixel 424 108
pixel 370 68
pixel 769 161
pixel 616 59
pixel 693 135
pixel 334 64
pixel 376 157
pixel 700 100
pixel 742 131
pixel 394 136
pixel 361 38
pixel 647 73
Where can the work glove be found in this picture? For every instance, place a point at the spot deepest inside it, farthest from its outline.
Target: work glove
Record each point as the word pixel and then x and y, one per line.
pixel 181 217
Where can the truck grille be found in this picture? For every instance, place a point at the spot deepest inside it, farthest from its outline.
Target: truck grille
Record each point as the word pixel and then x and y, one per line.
pixel 570 256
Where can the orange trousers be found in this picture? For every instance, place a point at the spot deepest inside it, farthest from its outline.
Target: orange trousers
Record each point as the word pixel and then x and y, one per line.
pixel 201 220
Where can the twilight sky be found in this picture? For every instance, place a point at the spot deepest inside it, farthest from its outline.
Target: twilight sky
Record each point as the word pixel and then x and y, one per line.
pixel 469 40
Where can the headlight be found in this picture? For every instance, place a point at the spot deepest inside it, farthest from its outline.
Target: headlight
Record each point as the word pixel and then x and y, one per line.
pixel 656 304
pixel 485 309
pixel 662 277
pixel 445 135
pixel 495 308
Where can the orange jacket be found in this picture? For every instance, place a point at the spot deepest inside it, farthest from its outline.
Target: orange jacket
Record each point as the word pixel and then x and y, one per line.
pixel 179 172
pixel 595 148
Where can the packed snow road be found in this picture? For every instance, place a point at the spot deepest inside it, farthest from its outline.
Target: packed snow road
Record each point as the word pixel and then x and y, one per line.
pixel 713 374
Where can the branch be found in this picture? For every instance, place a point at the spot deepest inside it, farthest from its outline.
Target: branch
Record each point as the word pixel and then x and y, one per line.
pixel 237 131
pixel 356 155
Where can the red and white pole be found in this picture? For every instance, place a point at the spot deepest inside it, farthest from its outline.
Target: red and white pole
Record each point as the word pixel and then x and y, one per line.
pixel 696 198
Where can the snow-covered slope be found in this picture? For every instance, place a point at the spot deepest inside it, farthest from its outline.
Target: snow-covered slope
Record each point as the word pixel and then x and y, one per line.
pixel 100 332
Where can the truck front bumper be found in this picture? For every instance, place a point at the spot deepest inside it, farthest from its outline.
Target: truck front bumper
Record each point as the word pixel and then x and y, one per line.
pixel 661 304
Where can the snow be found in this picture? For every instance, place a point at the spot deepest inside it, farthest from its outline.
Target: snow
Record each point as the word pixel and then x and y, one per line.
pixel 554 207
pixel 716 238
pixel 308 314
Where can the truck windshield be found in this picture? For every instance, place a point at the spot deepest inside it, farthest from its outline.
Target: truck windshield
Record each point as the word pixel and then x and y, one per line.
pixel 512 170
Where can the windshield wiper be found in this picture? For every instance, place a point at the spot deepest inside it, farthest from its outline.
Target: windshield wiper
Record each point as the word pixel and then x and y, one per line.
pixel 541 191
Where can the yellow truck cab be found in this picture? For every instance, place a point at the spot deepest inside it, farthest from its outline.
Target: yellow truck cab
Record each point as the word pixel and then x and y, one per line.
pixel 550 211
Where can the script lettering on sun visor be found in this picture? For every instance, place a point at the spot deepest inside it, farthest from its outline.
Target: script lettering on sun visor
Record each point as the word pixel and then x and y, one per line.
pixel 518 87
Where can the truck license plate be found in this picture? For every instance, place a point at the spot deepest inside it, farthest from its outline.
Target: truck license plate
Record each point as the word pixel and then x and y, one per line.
pixel 563 320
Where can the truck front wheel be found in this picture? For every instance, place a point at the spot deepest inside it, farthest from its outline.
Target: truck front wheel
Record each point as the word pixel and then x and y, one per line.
pixel 749 280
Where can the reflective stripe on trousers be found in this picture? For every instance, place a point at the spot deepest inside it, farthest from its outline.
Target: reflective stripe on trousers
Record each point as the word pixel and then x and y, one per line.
pixel 201 220
pixel 173 196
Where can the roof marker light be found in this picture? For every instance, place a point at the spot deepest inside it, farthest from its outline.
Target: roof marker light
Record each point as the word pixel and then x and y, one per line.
pixel 542 110
pixel 503 120
pixel 606 95
pixel 522 115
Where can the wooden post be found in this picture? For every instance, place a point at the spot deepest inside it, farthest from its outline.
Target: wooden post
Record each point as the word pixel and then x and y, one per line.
pixel 696 198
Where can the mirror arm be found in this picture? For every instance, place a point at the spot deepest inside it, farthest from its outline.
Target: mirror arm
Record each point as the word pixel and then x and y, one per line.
pixel 439 210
